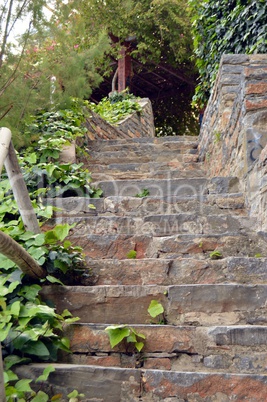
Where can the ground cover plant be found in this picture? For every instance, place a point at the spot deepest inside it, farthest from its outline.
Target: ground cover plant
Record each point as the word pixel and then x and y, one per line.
pixel 30 330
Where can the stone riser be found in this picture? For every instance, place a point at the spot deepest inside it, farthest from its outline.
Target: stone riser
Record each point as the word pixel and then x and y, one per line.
pixel 185 139
pixel 107 158
pixel 149 146
pixel 174 272
pixel 121 385
pixel 190 187
pixel 158 188
pixel 138 207
pixel 203 305
pixel 161 175
pixel 236 349
pixel 147 169
pixel 199 247
pixel 158 225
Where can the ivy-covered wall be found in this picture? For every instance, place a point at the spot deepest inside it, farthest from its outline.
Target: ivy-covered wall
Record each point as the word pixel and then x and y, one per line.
pixel 233 137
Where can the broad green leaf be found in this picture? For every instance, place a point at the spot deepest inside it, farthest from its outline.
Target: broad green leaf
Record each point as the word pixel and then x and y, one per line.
pixel 52 279
pixel 4 332
pixel 117 334
pixel 45 375
pixel 15 308
pixel 40 397
pixel 139 346
pixel 155 308
pixel 23 385
pixel 9 375
pixel 36 348
pixel 12 360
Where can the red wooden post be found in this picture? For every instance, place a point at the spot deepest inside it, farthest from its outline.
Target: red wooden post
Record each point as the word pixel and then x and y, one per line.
pixel 124 70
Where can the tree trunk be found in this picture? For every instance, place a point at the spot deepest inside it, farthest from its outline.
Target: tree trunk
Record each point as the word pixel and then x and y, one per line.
pixel 19 255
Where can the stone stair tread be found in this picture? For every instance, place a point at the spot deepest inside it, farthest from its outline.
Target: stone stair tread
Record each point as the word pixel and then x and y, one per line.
pixel 193 304
pixel 241 348
pixel 113 384
pixel 160 224
pixel 157 271
pixel 197 246
pixel 145 146
pixel 125 205
pixel 145 140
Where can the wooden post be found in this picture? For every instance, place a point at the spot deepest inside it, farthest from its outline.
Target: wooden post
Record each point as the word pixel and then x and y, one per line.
pixel 16 253
pixel 2 384
pixel 124 69
pixel 20 191
pixel 5 138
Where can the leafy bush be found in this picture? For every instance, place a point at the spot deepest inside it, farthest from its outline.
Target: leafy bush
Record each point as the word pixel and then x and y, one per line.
pixel 117 107
pixel 30 330
pixel 219 27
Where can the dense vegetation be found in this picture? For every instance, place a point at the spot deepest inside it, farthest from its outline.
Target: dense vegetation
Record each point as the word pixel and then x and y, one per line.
pixel 226 26
pixel 30 329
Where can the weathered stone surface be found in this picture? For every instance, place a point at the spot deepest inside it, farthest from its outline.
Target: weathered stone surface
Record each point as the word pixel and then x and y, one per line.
pixel 157 225
pixel 98 384
pixel 160 188
pixel 216 304
pixel 106 304
pixel 204 387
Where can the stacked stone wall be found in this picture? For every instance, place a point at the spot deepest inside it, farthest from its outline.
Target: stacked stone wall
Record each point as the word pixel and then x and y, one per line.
pixel 233 136
pixel 134 126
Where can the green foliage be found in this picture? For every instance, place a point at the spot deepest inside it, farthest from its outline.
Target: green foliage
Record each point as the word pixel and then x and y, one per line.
pixel 216 255
pixel 143 193
pixel 155 308
pixel 119 333
pixel 132 254
pixel 115 109
pixel 220 27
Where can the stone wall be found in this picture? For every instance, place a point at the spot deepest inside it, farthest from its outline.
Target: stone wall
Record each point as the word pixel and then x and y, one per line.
pixel 233 136
pixel 135 125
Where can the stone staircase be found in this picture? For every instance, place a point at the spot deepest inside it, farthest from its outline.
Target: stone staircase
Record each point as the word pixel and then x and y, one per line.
pixel 211 343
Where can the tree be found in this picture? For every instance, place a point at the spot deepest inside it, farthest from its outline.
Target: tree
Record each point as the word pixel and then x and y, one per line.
pixel 235 26
pixel 56 62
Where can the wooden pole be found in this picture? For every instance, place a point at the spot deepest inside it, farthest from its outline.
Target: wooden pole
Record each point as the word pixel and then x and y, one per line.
pixel 5 138
pixel 16 253
pixel 20 191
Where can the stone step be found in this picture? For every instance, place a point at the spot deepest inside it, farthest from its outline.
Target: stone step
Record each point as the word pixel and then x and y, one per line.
pixel 169 247
pixel 204 305
pixel 99 144
pixel 154 271
pixel 183 187
pixel 147 146
pixel 210 204
pixel 116 384
pixel 159 225
pixel 151 169
pixel 142 156
pixel 238 349
pixel 158 188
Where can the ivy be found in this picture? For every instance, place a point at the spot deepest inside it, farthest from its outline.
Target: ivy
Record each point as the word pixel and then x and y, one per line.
pixel 219 27
pixel 117 107
pixel 30 330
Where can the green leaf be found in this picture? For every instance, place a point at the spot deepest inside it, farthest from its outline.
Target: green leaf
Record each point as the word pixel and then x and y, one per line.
pixel 117 334
pixel 40 397
pixel 139 346
pixel 37 348
pixel 52 279
pixel 45 375
pixel 155 308
pixel 23 385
